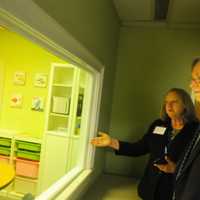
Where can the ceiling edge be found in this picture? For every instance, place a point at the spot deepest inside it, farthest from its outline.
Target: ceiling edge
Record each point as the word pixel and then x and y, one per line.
pixel 143 24
pixel 160 24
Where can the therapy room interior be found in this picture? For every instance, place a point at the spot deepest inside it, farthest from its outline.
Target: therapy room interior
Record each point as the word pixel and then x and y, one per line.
pixel 42 102
pixel 69 69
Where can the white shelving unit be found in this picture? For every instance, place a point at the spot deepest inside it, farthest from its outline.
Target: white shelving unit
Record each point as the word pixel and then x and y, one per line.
pixel 21 184
pixel 62 132
pixel 61 144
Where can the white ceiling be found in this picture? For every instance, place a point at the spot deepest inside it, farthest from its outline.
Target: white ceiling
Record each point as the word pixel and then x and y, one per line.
pixel 179 11
pixel 134 10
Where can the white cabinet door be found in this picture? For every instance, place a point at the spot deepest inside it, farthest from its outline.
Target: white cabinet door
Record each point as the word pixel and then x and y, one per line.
pixel 54 160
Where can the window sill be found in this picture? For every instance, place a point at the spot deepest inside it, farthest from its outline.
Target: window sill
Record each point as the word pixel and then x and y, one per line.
pixel 65 186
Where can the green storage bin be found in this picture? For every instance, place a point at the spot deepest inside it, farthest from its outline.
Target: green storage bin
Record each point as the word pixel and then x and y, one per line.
pixel 28 155
pixel 4 150
pixel 30 146
pixel 5 142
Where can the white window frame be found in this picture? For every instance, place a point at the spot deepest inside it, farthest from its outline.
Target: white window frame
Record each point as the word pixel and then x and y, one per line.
pixel 49 34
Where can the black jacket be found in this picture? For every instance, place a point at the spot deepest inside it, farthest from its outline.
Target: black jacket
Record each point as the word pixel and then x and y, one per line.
pixel 187 186
pixel 155 184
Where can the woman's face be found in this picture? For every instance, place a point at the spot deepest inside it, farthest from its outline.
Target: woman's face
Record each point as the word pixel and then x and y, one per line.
pixel 174 106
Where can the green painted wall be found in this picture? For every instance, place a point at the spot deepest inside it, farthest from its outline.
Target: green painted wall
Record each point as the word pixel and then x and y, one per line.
pixel 19 54
pixel 150 61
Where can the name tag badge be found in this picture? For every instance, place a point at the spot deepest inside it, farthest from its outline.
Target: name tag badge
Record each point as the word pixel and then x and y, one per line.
pixel 159 130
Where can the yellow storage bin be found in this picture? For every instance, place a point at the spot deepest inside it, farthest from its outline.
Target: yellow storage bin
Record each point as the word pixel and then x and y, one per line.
pixel 22 185
pixel 28 155
pixel 29 146
pixel 4 150
pixel 5 142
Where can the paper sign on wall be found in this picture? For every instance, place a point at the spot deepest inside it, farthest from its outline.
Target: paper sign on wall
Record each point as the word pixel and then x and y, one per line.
pixel 19 78
pixel 16 101
pixel 38 104
pixel 40 80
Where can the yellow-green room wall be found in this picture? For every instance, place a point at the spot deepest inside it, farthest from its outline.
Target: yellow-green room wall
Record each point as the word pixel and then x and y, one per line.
pixel 20 55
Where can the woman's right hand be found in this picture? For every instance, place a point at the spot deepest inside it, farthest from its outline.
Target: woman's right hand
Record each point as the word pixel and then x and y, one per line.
pixel 104 140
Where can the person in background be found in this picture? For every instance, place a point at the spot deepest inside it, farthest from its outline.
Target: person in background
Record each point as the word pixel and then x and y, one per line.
pixel 167 135
pixel 187 174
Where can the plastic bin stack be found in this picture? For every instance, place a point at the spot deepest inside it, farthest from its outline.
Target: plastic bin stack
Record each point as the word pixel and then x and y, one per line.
pixel 27 159
pixel 5 148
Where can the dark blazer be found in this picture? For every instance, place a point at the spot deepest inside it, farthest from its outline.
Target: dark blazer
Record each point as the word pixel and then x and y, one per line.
pixel 155 184
pixel 187 186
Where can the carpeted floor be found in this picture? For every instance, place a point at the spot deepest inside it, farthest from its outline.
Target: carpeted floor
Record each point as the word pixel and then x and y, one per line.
pixel 111 187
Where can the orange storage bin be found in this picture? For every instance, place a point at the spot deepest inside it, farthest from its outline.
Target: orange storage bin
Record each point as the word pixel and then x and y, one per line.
pixel 27 168
pixel 4 159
